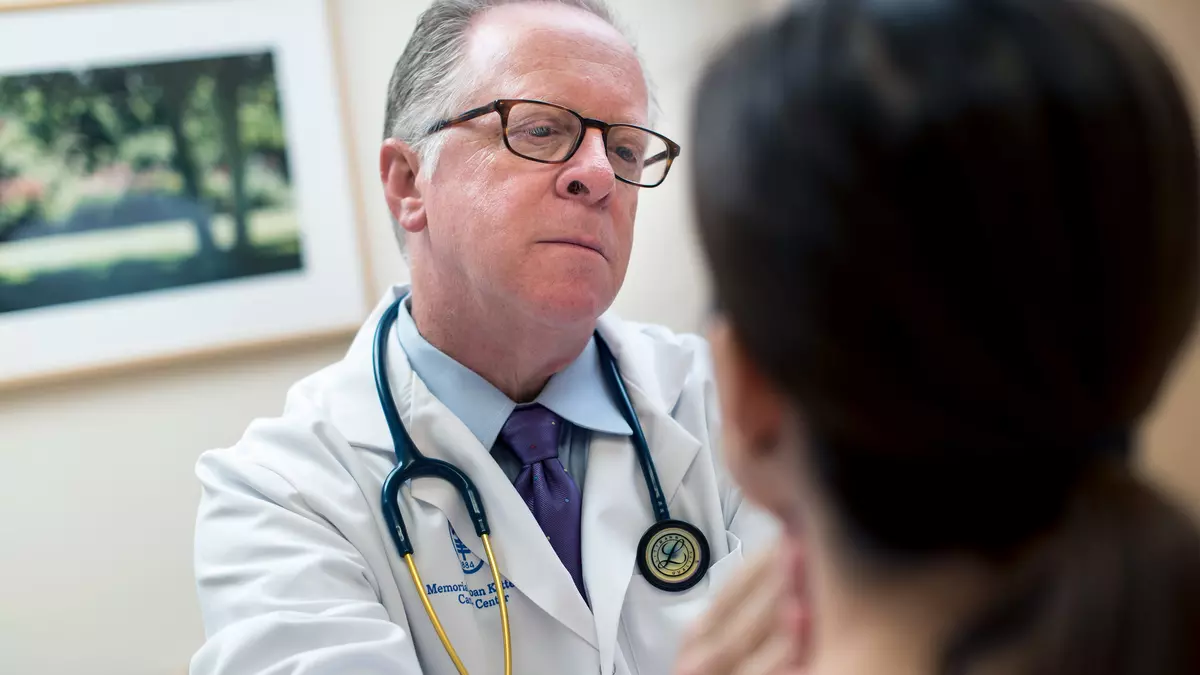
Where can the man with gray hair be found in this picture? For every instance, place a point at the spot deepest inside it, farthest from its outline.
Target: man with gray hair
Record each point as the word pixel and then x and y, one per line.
pixel 500 476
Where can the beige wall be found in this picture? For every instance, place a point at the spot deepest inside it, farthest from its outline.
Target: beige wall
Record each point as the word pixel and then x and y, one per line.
pixel 1173 439
pixel 97 494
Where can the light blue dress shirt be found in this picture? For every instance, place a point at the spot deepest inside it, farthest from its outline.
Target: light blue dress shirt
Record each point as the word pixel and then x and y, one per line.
pixel 577 394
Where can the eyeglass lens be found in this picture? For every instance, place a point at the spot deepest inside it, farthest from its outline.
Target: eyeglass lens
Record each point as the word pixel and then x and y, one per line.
pixel 546 133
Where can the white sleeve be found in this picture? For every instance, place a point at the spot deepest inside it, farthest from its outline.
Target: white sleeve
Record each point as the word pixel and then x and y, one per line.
pixel 281 590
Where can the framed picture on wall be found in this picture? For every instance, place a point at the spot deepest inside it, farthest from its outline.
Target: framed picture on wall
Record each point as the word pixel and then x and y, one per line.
pixel 174 179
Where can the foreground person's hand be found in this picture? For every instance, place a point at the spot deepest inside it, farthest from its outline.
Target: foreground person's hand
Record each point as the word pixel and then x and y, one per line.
pixel 758 625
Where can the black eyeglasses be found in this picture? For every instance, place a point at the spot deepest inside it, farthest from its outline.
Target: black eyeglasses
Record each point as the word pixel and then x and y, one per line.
pixel 551 134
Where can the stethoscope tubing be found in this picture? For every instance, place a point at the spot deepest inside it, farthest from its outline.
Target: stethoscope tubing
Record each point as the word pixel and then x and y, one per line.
pixel 410 463
pixel 612 376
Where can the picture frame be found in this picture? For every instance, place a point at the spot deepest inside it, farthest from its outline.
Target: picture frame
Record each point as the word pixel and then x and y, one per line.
pixel 175 180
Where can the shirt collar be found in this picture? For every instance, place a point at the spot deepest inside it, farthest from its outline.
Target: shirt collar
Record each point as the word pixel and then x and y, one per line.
pixel 577 393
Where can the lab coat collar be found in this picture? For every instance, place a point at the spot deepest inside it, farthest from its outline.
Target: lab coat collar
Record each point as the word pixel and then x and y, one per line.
pixel 654 371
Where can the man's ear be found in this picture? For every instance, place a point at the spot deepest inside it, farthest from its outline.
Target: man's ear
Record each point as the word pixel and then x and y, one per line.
pixel 751 403
pixel 398 169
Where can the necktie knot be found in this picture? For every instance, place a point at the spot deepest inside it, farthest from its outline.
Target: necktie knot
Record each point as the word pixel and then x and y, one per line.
pixel 533 434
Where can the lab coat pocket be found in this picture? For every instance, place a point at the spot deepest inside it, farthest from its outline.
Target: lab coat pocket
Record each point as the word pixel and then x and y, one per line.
pixel 654 620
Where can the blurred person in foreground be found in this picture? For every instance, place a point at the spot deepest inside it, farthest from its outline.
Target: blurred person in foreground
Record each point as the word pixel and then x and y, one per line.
pixel 955 253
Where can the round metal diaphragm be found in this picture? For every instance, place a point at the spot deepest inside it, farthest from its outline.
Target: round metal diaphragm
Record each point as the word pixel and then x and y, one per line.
pixel 673 555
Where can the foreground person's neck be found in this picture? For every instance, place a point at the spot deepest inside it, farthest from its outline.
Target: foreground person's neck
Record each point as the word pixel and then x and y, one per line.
pixel 900 625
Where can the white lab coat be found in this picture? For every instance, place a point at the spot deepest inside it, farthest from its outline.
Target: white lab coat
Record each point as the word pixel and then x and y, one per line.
pixel 297 574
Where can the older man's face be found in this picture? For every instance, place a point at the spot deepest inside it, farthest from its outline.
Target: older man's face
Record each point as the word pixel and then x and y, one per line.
pixel 551 241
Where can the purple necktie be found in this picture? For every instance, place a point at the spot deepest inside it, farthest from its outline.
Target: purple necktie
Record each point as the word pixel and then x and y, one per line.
pixel 533 434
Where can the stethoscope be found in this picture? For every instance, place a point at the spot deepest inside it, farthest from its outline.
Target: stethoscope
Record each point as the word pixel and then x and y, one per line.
pixel 673 555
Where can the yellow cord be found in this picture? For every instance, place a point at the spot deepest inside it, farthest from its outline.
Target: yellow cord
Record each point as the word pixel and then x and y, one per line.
pixel 437 625
pixel 487 546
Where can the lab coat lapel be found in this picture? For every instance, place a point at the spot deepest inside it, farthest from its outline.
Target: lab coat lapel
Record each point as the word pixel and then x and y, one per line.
pixel 523 553
pixel 654 373
pixel 616 503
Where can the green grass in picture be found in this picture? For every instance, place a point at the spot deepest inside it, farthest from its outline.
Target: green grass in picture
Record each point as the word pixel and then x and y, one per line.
pixel 72 268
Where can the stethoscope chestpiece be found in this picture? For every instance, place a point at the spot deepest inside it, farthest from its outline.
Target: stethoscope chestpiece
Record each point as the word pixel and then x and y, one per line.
pixel 673 555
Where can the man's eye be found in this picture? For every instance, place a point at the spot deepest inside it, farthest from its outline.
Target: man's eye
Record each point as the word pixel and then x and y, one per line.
pixel 625 154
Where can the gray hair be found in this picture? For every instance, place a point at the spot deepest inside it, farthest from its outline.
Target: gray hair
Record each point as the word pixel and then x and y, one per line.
pixel 431 80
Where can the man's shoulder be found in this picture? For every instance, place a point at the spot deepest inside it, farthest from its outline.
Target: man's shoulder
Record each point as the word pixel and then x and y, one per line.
pixel 660 334
pixel 659 340
pixel 668 363
pixel 288 443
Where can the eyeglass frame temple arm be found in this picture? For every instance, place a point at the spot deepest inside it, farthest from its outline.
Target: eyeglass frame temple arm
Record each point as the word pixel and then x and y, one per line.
pixel 465 117
pixel 672 152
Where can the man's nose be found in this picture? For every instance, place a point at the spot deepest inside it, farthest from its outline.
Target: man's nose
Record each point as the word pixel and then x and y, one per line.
pixel 588 176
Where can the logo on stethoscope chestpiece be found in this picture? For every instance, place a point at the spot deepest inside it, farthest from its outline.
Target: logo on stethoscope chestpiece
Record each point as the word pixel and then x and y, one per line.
pixel 470 562
pixel 673 556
